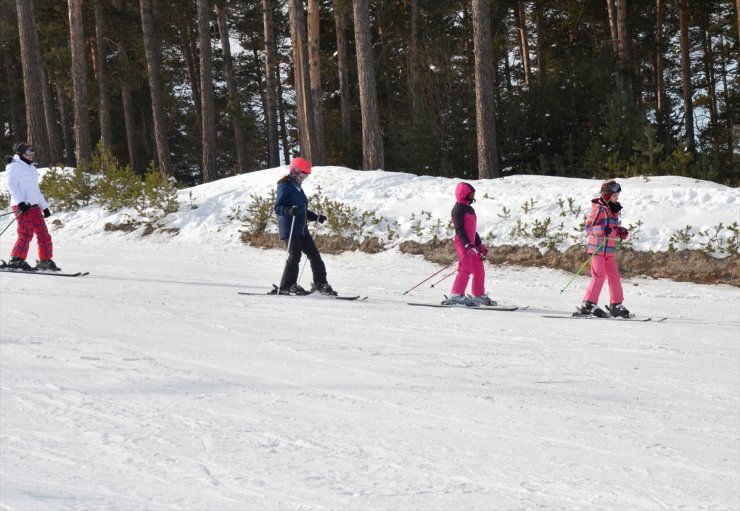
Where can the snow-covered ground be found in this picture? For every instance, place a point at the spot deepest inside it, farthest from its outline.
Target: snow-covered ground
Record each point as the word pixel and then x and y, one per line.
pixel 151 384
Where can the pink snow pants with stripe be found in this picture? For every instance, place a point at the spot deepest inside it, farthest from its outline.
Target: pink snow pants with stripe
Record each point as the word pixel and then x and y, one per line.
pixel 604 267
pixel 467 265
pixel 29 223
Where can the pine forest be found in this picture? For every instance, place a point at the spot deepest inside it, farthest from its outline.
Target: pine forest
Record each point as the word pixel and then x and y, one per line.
pixel 206 89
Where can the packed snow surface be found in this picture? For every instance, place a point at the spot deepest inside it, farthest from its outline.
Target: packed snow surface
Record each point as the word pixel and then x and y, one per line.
pixel 152 384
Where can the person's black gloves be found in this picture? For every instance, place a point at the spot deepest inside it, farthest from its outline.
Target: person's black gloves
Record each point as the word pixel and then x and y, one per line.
pixel 607 231
pixel 321 219
pixel 294 210
pixel 24 206
pixel 47 213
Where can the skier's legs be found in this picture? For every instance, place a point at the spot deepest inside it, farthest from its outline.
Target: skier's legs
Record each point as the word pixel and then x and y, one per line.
pixel 318 268
pixel 598 273
pixel 464 269
pixel 43 238
pixel 478 287
pixel 25 233
pixel 290 272
pixel 616 294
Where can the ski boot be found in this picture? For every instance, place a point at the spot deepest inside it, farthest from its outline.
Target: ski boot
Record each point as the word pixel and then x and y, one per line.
pixel 324 289
pixel 458 300
pixel 47 265
pixel 17 263
pixel 482 300
pixel 590 309
pixel 619 311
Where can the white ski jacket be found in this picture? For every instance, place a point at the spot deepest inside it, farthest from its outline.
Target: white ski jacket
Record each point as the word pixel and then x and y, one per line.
pixel 23 184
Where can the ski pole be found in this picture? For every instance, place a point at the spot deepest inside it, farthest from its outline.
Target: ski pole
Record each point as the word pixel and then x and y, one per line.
pixel 287 250
pixel 444 278
pixel 6 214
pixel 435 274
pixel 584 265
pixel 11 223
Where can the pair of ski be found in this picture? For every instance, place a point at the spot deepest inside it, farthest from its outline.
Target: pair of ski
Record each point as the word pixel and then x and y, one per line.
pixel 478 307
pixel 580 315
pixel 274 292
pixel 35 271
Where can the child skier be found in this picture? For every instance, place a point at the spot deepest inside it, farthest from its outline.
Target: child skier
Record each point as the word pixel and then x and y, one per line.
pixel 291 207
pixel 470 251
pixel 603 230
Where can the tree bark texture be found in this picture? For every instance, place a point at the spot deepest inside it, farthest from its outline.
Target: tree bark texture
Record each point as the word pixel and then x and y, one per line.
pixel 83 143
pixel 208 129
pixel 151 51
pixel 102 76
pixel 314 63
pixel 234 108
pixel 484 107
pixel 688 104
pixel 32 81
pixel 340 26
pixel 271 119
pixel 521 21
pixel 304 103
pixel 372 139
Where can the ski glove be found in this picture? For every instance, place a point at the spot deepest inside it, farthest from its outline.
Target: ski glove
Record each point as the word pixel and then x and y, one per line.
pixel 607 231
pixel 24 206
pixel 623 233
pixel 472 251
pixel 47 213
pixel 321 219
pixel 294 210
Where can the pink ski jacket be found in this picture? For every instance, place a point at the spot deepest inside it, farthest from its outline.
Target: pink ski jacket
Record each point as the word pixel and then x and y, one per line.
pixel 601 216
pixel 463 217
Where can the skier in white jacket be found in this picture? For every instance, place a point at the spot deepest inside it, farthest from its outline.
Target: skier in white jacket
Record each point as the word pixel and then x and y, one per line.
pixel 31 210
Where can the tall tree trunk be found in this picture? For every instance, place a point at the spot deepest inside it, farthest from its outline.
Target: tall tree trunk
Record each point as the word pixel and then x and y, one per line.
pixel 32 81
pixel 68 138
pixel 727 94
pixel 314 63
pixel 711 82
pixel 16 110
pixel 624 54
pixel 688 104
pixel 340 24
pixel 129 116
pixel 102 76
pixel 541 44
pixel 52 130
pixel 521 21
pixel 611 9
pixel 412 57
pixel 234 107
pixel 208 129
pixel 151 51
pixel 384 65
pixel 484 108
pixel 373 155
pixel 281 113
pixel 190 52
pixel 83 140
pixel 660 106
pixel 271 119
pixel 303 99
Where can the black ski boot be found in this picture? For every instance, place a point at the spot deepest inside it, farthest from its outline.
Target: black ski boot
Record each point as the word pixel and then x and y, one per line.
pixel 591 309
pixel 47 265
pixel 324 289
pixel 618 310
pixel 17 263
pixel 295 289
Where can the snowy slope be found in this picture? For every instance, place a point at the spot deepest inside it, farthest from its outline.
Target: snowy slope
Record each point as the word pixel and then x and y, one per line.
pixel 151 384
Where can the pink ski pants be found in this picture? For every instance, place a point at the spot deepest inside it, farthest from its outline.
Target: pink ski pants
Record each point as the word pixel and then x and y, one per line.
pixel 29 223
pixel 604 267
pixel 467 265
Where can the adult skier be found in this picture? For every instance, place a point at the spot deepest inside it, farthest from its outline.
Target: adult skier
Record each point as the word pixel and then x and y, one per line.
pixel 291 206
pixel 30 209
